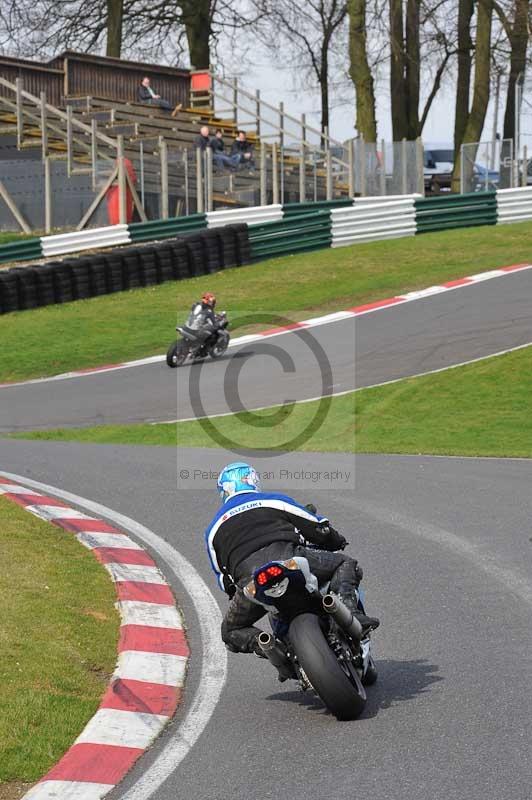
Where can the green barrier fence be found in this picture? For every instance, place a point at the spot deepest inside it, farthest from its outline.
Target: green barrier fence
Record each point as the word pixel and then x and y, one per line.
pixel 456 211
pixel 296 209
pixel 166 228
pixel 293 234
pixel 26 249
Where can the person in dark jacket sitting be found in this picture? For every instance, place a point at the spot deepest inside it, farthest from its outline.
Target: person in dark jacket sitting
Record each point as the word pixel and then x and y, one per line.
pixel 146 94
pixel 219 158
pixel 243 150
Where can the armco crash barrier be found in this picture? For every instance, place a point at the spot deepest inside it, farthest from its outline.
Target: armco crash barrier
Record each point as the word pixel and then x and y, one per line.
pixel 124 268
pixel 99 238
pixel 252 216
pixel 456 211
pixel 295 234
pixel 294 209
pixel 372 219
pixel 23 250
pixel 514 205
pixel 165 228
pixel 90 239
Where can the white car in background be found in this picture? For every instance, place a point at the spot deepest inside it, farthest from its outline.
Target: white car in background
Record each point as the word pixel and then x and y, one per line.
pixel 438 163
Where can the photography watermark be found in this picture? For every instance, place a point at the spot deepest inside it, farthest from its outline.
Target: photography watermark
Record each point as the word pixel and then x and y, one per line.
pixel 265 400
pixel 304 475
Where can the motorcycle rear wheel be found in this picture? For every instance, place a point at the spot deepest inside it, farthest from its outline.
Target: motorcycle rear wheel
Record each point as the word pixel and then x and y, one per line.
pixel 177 354
pixel 338 686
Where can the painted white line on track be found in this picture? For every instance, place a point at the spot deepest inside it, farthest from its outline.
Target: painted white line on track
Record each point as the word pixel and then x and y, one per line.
pixel 360 388
pixel 214 656
pixel 508 578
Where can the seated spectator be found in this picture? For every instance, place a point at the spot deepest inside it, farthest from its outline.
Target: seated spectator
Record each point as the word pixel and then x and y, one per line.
pixel 146 94
pixel 219 158
pixel 203 140
pixel 218 141
pixel 243 150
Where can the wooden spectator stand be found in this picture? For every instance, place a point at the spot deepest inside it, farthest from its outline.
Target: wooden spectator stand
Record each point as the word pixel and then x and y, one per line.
pixel 201 89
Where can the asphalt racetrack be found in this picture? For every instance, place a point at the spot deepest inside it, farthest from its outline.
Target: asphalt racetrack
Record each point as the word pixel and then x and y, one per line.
pixel 445 543
pixel 446 548
pixel 396 342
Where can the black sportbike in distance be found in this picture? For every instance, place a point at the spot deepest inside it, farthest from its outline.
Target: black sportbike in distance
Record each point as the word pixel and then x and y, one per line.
pixel 315 638
pixel 199 339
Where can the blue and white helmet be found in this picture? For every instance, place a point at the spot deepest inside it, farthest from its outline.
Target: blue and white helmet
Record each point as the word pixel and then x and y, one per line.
pixel 237 477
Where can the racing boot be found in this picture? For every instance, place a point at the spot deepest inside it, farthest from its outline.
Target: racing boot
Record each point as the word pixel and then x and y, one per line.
pixel 277 659
pixel 368 623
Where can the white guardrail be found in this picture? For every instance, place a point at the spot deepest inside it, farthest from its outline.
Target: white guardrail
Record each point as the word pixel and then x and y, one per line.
pixel 85 240
pixel 514 205
pixel 253 216
pixel 374 218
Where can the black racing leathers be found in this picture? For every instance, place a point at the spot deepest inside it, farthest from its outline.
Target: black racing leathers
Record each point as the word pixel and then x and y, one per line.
pixel 253 528
pixel 243 534
pixel 238 630
pixel 201 322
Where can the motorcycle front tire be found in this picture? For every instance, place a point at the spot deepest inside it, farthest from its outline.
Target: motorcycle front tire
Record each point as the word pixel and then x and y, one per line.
pixel 177 354
pixel 219 347
pixel 341 690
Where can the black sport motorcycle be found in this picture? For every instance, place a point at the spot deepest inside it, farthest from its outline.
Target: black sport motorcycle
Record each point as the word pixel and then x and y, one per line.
pixel 199 340
pixel 316 639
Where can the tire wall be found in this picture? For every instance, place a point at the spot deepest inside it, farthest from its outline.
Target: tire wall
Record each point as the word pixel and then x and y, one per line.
pixel 188 256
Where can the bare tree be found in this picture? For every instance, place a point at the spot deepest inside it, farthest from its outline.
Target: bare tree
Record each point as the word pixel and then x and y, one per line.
pixel 463 82
pixel 115 17
pixel 360 71
pixel 481 87
pixel 303 36
pixel 515 23
pixel 162 30
pixel 419 36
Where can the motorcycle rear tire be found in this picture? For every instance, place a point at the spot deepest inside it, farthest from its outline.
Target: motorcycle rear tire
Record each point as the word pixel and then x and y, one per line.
pixel 343 695
pixel 177 354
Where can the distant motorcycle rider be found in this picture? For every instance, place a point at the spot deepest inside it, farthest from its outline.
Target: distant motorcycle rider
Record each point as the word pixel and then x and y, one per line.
pixel 253 527
pixel 203 321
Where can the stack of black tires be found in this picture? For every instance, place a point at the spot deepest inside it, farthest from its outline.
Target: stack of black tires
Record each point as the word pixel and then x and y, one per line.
pixel 125 268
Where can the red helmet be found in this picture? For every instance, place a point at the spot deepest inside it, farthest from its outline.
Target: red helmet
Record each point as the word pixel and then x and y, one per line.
pixel 209 299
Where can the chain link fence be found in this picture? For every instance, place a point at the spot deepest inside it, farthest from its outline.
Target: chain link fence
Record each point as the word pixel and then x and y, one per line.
pixel 174 182
pixel 394 168
pixel 47 198
pixel 485 166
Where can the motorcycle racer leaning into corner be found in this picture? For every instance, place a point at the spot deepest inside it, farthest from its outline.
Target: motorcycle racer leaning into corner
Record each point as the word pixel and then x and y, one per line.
pixel 253 527
pixel 203 320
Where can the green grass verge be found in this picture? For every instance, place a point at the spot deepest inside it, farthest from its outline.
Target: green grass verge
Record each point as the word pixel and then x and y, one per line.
pixel 140 323
pixel 58 640
pixel 7 236
pixel 482 409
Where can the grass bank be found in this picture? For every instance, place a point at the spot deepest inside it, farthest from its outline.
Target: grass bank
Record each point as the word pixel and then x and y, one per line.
pixel 482 409
pixel 58 640
pixel 140 323
pixel 12 236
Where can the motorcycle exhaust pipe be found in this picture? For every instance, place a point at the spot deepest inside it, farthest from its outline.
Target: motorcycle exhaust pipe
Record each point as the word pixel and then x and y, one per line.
pixel 342 616
pixel 275 654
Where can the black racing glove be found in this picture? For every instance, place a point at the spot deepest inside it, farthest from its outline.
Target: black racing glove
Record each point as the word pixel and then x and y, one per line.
pixel 335 540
